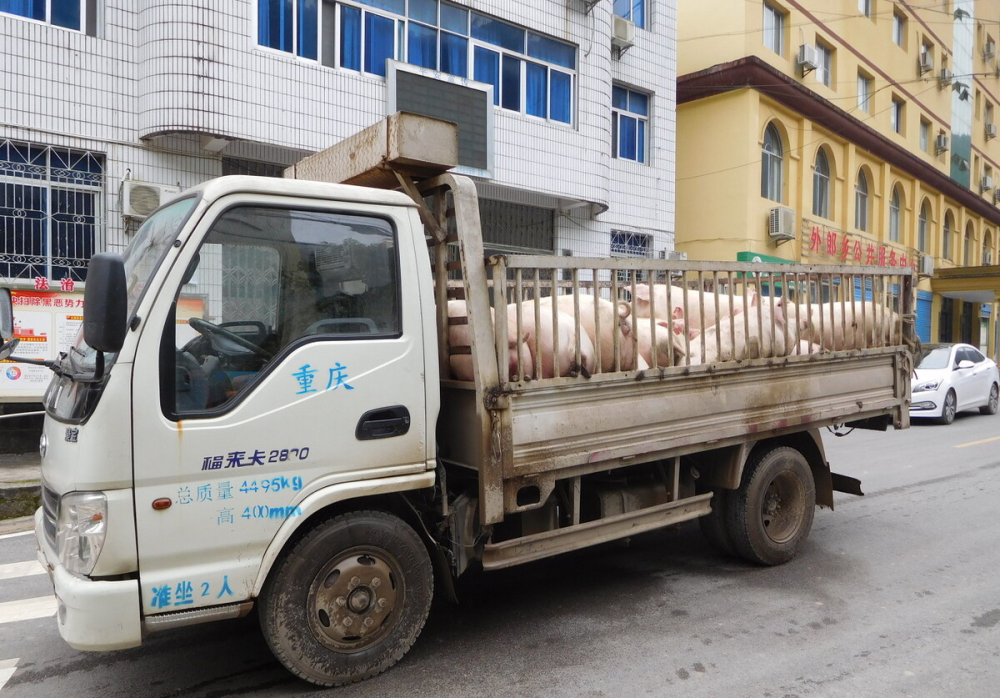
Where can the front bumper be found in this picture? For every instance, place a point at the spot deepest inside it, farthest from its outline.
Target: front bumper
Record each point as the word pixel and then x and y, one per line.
pixel 92 615
pixel 926 404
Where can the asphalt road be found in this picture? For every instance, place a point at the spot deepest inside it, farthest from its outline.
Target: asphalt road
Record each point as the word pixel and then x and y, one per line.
pixel 895 594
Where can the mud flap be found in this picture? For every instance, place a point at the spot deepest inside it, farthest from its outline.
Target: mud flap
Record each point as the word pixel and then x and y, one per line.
pixel 847 485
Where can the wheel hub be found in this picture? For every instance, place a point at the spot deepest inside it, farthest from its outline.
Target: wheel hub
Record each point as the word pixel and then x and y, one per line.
pixel 352 600
pixel 781 508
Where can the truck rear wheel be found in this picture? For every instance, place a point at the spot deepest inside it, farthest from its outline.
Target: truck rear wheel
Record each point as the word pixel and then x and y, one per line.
pixel 349 599
pixel 714 525
pixel 770 515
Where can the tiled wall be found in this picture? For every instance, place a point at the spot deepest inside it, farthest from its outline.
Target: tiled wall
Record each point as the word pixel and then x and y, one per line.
pixel 164 75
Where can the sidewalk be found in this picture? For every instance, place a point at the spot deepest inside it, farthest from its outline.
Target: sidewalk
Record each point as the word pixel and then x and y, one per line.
pixel 20 491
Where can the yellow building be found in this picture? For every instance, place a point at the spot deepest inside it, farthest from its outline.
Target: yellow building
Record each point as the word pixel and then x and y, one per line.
pixel 847 131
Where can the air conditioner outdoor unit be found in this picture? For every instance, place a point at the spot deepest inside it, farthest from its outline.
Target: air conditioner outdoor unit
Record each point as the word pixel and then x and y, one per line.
pixel 946 77
pixel 781 223
pixel 808 57
pixel 622 34
pixel 941 143
pixel 986 183
pixel 139 199
pixel 927 265
pixel 991 130
pixel 925 63
pixel 674 255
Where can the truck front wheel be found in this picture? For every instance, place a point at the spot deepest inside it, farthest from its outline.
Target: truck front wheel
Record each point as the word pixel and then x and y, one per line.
pixel 770 515
pixel 349 599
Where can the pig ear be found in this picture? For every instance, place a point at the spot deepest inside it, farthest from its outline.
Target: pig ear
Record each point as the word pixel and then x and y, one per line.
pixel 678 313
pixel 642 292
pixel 624 309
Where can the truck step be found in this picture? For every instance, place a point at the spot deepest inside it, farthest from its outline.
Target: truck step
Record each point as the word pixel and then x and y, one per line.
pixel 541 545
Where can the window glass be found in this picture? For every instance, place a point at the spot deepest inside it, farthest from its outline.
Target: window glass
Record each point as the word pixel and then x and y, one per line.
pixel 946 237
pixel 266 278
pixel 380 35
pixel 895 213
pixel 274 24
pixel 68 14
pixel 497 33
pixel 774 29
pixel 510 97
pixel 898 29
pixel 455 19
pixel 861 202
pixel 536 94
pixel 424 11
pixel 629 120
pixel 825 67
pixel 422 46
pixel 487 69
pixel 397 6
pixel 551 51
pixel 771 184
pixel 864 92
pixel 350 37
pixel 922 228
pixel 307 34
pixel 454 55
pixel 821 185
pixel 560 89
pixel 632 10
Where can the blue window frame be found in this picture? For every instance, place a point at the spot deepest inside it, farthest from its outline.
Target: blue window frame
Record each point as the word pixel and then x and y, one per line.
pixel 69 14
pixel 629 124
pixel 632 10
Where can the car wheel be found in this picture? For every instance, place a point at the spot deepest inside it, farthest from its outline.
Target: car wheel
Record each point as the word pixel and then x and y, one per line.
pixel 948 410
pixel 991 406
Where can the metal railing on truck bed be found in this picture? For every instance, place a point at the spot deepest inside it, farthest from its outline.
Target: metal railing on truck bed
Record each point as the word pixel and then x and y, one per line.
pixel 576 366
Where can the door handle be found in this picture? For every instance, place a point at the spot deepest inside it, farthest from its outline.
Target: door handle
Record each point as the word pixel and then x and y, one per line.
pixel 383 423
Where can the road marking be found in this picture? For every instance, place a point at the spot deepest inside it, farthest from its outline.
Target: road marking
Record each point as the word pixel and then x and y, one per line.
pixel 17 535
pixel 7 669
pixel 21 569
pixel 976 443
pixel 27 609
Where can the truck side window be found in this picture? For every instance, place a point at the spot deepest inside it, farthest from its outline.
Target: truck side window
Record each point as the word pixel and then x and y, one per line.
pixel 265 279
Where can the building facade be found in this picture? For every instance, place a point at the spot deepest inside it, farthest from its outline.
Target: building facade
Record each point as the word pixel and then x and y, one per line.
pixel 112 106
pixel 847 131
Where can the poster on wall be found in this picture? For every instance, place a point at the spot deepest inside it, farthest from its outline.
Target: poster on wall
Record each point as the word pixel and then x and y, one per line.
pixel 46 323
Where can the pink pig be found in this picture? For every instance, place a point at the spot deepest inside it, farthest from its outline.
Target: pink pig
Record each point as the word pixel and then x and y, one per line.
pixel 458 336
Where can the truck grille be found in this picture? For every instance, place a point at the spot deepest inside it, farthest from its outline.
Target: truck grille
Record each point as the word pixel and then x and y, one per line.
pixel 50 511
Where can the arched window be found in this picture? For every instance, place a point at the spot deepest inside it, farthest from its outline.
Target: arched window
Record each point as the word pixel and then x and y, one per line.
pixel 987 248
pixel 922 228
pixel 970 240
pixel 895 215
pixel 771 161
pixel 821 185
pixel 949 226
pixel 861 202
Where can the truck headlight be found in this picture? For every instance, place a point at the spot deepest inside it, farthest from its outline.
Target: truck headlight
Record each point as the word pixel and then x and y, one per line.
pixel 926 386
pixel 80 534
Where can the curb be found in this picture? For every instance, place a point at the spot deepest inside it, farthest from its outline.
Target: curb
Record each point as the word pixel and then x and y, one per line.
pixel 17 501
pixel 18 525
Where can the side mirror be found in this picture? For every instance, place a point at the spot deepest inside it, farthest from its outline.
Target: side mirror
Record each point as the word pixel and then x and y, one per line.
pixel 105 303
pixel 964 364
pixel 7 341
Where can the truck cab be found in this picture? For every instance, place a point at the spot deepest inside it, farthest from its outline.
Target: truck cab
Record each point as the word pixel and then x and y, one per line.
pixel 172 464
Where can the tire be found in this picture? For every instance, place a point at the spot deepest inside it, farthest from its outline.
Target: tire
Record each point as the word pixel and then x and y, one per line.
pixel 770 515
pixel 991 406
pixel 948 409
pixel 365 570
pixel 714 527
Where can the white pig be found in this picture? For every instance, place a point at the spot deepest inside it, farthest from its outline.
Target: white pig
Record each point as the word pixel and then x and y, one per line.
pixel 458 336
pixel 668 343
pixel 695 322
pixel 750 337
pixel 850 324
pixel 564 362
pixel 613 319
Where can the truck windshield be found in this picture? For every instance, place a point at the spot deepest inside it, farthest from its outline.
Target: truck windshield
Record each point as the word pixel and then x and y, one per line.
pixel 142 258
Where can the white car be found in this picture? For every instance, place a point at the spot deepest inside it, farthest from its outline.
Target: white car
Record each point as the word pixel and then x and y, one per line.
pixel 951 378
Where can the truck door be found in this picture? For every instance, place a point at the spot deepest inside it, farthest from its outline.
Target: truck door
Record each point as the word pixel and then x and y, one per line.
pixel 283 355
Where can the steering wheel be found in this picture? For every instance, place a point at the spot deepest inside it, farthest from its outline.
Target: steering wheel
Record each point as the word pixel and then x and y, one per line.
pixel 208 329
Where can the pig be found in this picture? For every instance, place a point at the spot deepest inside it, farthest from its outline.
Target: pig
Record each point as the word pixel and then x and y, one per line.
pixel 868 324
pixel 541 341
pixel 807 347
pixel 668 343
pixel 750 336
pixel 458 336
pixel 695 322
pixel 613 319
